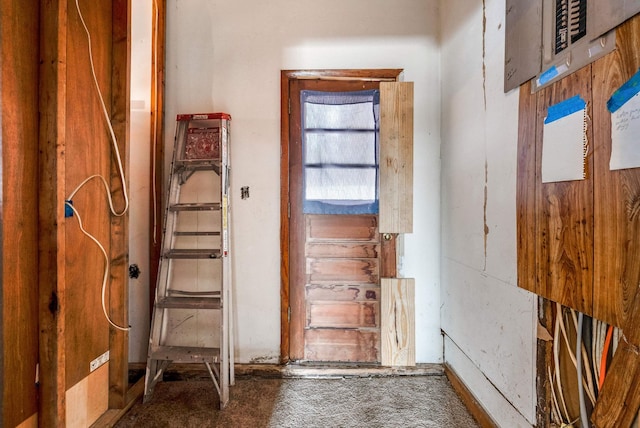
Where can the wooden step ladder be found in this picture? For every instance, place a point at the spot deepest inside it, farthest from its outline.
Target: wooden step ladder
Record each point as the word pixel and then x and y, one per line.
pixel 191 320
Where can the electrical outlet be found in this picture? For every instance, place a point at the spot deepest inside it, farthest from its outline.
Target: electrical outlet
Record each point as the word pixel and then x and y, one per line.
pixel 99 361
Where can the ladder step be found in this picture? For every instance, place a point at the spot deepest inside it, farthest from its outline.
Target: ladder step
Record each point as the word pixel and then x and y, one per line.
pixel 194 233
pixel 207 253
pixel 186 354
pixel 208 206
pixel 189 303
pixel 188 165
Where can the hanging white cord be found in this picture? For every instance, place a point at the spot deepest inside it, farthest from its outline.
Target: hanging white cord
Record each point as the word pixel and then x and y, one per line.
pixel 114 141
pixel 106 186
pixel 584 420
pixel 106 268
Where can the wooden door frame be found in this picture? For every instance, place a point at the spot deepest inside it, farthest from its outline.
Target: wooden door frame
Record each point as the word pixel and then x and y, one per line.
pixel 286 76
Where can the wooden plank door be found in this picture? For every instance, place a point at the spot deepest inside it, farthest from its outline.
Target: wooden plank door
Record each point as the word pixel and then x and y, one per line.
pixel 336 261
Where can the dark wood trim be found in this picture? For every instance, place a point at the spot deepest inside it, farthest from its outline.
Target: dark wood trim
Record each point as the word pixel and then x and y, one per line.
pixel 119 290
pixel 478 412
pixel 51 242
pixel 286 77
pixel 157 120
pixel 2 390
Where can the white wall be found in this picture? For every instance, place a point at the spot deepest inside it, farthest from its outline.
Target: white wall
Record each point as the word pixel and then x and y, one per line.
pixel 227 56
pixel 489 323
pixel 139 178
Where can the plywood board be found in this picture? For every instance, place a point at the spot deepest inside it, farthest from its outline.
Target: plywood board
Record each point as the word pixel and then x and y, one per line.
pixel 396 157
pixel 526 191
pixel 397 322
pixel 616 193
pixel 87 400
pixel 564 213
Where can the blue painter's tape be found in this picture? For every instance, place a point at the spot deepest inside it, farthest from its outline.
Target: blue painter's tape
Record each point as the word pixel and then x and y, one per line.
pixel 565 108
pixel 548 75
pixel 624 93
pixel 68 211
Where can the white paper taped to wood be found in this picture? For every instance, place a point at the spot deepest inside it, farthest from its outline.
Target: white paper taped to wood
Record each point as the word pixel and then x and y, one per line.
pixel 564 141
pixel 625 135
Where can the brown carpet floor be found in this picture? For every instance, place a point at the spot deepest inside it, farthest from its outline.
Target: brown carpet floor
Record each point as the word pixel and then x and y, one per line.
pixel 398 401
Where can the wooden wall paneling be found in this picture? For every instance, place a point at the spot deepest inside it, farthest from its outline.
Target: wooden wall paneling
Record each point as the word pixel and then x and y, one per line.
pixel 619 398
pixel 564 222
pixel 119 280
pixel 51 222
pixel 19 64
pixel 397 322
pixel 616 193
pixel 526 190
pixel 87 152
pixel 396 157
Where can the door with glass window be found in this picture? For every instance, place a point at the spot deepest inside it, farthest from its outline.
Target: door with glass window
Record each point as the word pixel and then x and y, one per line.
pixel 336 254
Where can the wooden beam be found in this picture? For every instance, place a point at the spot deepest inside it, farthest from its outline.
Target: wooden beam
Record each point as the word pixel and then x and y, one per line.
pixel 51 166
pixel 119 290
pixel 156 210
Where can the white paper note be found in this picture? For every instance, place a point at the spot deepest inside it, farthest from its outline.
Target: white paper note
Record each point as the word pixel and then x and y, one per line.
pixel 563 147
pixel 625 135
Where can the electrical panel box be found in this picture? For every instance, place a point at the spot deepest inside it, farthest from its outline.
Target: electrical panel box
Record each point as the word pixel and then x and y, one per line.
pixel 546 40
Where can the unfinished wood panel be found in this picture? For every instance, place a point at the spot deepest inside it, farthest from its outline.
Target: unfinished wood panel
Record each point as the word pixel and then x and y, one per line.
pixel 397 322
pixel 343 227
pixel 32 422
pixel 87 152
pixel 341 345
pixel 18 212
pixel 51 184
pixel 564 213
pixel 328 314
pixel 616 193
pixel 396 157
pixel 88 399
pixel 526 191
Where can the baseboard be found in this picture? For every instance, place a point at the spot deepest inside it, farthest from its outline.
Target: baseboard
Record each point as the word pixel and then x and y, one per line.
pixel 478 412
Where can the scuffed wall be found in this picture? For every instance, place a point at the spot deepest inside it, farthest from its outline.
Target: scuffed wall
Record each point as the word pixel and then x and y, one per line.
pixel 488 322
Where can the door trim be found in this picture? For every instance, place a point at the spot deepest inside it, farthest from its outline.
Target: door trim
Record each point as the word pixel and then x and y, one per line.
pixel 286 76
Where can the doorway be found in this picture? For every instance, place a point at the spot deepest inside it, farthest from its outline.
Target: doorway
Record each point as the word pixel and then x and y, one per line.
pixel 332 258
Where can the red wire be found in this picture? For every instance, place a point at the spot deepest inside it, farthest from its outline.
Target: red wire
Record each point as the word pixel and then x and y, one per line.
pixel 605 353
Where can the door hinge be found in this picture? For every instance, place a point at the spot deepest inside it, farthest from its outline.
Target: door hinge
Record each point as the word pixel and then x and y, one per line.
pixel 289 314
pixel 289 105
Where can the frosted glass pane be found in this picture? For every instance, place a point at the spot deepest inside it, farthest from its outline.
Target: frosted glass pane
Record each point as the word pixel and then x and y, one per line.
pixel 346 184
pixel 346 116
pixel 343 148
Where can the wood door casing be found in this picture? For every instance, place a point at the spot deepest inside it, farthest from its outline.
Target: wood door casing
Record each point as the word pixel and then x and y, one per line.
pixel 297 317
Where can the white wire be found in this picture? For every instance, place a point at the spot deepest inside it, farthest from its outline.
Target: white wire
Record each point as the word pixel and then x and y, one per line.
pixel 114 141
pixel 116 151
pixel 106 268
